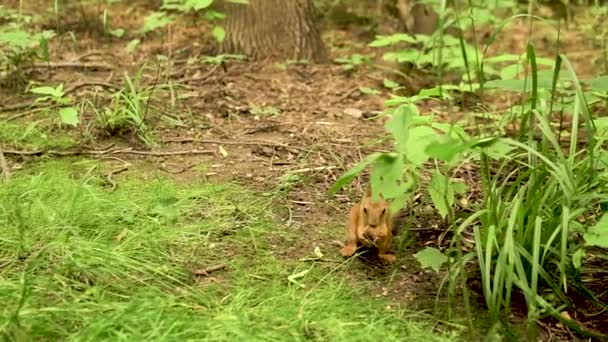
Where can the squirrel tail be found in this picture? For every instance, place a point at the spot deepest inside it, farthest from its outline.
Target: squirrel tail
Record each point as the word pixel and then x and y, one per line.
pixel 399 221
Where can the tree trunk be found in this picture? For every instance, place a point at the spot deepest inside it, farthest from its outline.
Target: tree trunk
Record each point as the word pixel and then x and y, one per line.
pixel 278 29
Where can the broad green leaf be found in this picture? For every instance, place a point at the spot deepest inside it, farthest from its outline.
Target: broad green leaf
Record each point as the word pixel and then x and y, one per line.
pixel 212 15
pixel 389 84
pixel 577 258
pixel 405 56
pixel 503 58
pixel 598 234
pixel 431 258
pixel 510 72
pixel 198 5
pixel 419 139
pixel 155 21
pixel 132 45
pixel 498 149
pixel 459 187
pixel 599 84
pixel 431 92
pixel 386 176
pixel 118 33
pixel 396 101
pixel 399 125
pixel 69 116
pixel 445 150
pixel 50 91
pixel 219 33
pixel 392 39
pixel 441 191
pixel 369 91
pixel 352 173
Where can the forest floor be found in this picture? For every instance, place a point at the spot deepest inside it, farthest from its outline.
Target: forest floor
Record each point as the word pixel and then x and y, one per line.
pixel 234 205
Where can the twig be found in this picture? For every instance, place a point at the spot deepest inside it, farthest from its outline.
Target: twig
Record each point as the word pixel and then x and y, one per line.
pixel 6 170
pixel 322 259
pixel 22 114
pixel 93 53
pixel 302 202
pixel 206 271
pixel 345 95
pixel 104 152
pixel 113 173
pixel 34 105
pixel 199 78
pixel 79 65
pixel 227 142
pixel 23 105
pixel 309 169
pixel 90 83
pixel 182 170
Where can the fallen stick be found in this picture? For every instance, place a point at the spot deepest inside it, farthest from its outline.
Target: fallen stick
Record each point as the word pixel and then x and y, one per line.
pixel 113 173
pixel 310 169
pixel 206 271
pixel 104 152
pixel 225 142
pixel 78 65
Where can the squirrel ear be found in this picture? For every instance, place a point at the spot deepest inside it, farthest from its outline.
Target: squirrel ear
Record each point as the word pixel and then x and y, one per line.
pixel 368 191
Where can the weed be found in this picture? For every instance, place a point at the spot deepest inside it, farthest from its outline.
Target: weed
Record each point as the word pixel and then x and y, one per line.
pixel 353 61
pixel 68 115
pixel 128 111
pixel 19 48
pixel 35 136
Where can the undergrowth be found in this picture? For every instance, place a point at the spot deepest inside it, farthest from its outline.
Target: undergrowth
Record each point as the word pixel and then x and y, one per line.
pixel 34 135
pixel 80 261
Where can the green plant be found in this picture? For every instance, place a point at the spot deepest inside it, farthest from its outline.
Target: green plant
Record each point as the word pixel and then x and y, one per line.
pixel 162 18
pixel 156 20
pixel 19 47
pixel 221 58
pixel 128 111
pixel 529 228
pixel 107 27
pixel 68 114
pixel 353 61
pixel 265 111
pixel 535 193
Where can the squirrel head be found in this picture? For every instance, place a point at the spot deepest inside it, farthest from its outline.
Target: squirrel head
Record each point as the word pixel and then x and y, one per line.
pixel 375 216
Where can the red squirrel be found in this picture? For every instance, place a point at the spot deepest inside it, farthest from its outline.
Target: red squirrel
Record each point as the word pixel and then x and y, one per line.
pixel 370 224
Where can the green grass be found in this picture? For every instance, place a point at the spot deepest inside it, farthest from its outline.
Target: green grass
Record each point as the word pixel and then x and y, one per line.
pixel 79 262
pixel 32 136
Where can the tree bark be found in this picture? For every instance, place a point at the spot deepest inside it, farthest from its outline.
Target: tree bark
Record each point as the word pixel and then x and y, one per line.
pixel 277 29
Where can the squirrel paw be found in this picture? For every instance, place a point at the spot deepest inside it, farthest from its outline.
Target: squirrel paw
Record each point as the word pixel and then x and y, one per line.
pixel 389 258
pixel 348 250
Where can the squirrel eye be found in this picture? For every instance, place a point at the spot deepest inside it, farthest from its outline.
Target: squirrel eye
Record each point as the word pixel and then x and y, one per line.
pixel 365 210
pixel 383 211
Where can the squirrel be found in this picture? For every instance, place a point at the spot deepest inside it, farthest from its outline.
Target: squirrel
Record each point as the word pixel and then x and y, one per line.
pixel 371 225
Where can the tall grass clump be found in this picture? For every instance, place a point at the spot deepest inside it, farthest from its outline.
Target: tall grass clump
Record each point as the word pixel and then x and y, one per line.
pixel 536 200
